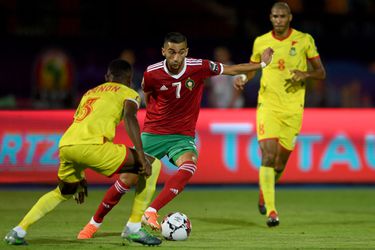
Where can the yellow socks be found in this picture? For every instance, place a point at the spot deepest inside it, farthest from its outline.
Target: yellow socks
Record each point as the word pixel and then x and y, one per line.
pixel 144 192
pixel 44 205
pixel 267 184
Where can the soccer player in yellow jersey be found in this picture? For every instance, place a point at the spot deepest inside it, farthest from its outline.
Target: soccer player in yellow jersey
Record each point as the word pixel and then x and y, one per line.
pixel 280 99
pixel 88 143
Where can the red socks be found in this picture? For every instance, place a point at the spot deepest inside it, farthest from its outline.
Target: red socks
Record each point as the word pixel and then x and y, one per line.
pixel 174 185
pixel 111 198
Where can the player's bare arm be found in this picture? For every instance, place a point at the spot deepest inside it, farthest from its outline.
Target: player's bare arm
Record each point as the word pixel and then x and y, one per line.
pixel 146 95
pixel 318 72
pixel 266 59
pixel 133 130
pixel 246 67
pixel 240 81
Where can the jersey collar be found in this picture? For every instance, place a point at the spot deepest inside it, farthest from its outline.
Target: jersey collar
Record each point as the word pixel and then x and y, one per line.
pixel 282 39
pixel 172 75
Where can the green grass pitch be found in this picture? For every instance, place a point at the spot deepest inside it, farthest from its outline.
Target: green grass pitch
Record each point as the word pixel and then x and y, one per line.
pixel 222 218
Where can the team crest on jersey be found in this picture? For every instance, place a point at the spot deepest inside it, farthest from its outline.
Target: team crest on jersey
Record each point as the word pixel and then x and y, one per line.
pixel 190 84
pixel 293 51
pixel 214 67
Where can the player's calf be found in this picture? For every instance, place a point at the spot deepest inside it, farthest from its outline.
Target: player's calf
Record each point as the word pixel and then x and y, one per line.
pixel 261 204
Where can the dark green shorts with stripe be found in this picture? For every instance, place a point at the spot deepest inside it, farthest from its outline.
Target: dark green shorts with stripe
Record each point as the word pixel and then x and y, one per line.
pixel 172 146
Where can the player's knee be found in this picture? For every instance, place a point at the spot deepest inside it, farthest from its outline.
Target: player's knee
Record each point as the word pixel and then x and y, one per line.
pixel 128 179
pixel 68 188
pixel 268 159
pixel 279 170
pixel 279 166
pixel 187 157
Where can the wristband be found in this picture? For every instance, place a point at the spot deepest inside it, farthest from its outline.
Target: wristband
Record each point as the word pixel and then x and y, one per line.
pixel 263 65
pixel 243 77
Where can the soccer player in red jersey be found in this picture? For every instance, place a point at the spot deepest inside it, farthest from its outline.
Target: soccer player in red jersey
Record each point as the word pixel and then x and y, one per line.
pixel 173 91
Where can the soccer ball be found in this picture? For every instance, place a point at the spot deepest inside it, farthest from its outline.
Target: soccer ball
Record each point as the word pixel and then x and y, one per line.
pixel 176 226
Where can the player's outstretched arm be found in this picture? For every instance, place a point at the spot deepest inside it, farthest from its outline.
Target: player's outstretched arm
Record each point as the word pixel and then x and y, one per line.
pixel 133 130
pixel 240 82
pixel 243 68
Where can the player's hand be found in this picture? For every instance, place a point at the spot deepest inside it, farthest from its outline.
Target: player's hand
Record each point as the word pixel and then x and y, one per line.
pixel 295 81
pixel 239 83
pixel 292 86
pixel 145 168
pixel 79 196
pixel 298 75
pixel 267 55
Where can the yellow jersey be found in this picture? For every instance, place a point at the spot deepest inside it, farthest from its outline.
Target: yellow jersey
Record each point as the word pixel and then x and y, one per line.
pixel 99 112
pixel 290 53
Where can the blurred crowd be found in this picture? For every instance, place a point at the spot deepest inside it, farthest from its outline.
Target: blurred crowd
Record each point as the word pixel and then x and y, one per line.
pixel 58 84
pixel 53 51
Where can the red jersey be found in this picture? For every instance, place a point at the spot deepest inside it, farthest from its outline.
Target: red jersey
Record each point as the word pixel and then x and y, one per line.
pixel 174 103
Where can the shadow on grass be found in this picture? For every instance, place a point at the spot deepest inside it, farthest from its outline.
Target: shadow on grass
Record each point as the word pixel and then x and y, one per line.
pixel 230 222
pixel 338 223
pixel 108 234
pixel 48 241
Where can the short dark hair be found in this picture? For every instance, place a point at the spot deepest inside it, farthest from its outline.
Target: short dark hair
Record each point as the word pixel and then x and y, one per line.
pixel 281 5
pixel 175 37
pixel 120 68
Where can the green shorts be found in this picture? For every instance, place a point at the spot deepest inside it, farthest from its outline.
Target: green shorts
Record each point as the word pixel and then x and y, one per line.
pixel 172 146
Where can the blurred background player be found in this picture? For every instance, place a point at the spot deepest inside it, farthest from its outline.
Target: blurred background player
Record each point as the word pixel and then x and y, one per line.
pixel 173 91
pixel 130 56
pixel 88 143
pixel 221 93
pixel 281 99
